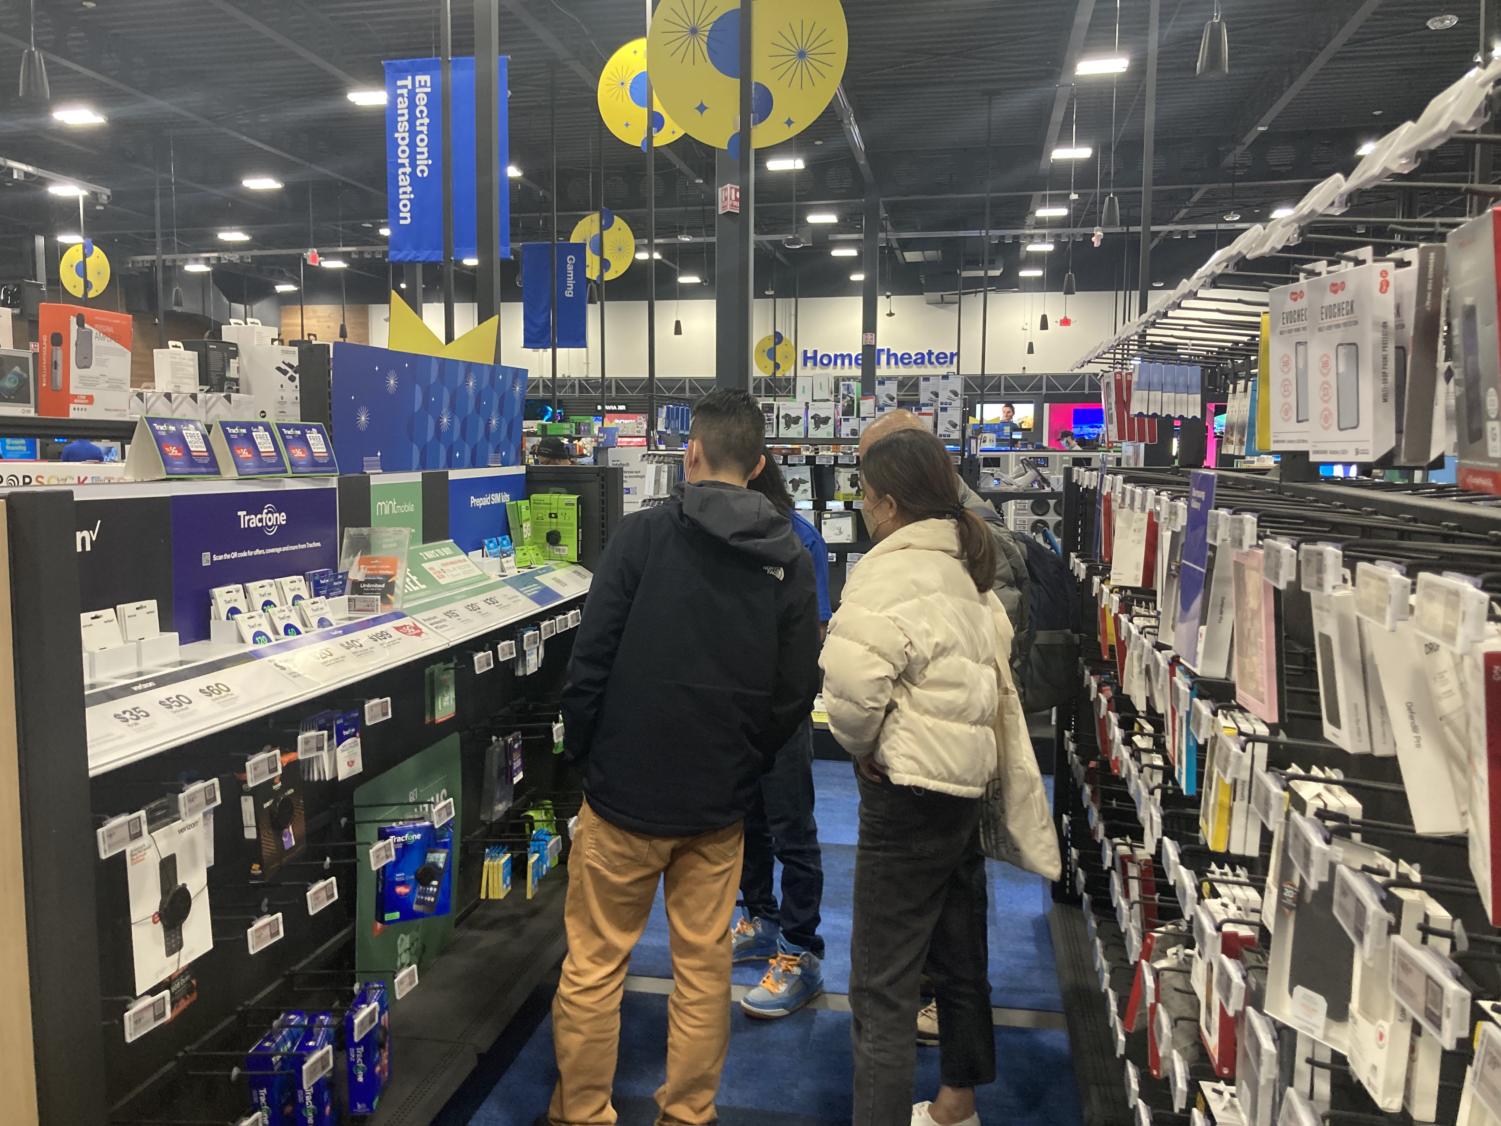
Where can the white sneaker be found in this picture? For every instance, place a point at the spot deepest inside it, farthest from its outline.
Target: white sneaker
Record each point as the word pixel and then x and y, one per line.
pixel 922 1116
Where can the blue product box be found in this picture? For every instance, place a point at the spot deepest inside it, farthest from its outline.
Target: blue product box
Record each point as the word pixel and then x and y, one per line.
pixel 418 883
pixel 315 1101
pixel 367 1037
pixel 272 1073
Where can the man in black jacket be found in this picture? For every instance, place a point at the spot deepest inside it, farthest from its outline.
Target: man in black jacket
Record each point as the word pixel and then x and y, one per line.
pixel 696 661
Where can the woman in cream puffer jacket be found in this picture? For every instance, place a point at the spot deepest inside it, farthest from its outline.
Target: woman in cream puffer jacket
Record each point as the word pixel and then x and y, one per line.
pixel 915 668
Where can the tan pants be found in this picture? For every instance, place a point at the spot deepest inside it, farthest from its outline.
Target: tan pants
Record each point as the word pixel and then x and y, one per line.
pixel 612 880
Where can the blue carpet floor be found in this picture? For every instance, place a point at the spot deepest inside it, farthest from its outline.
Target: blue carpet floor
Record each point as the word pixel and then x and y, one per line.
pixel 1021 952
pixel 794 1072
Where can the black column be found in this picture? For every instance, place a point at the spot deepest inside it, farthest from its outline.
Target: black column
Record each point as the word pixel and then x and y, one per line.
pixel 1148 154
pixel 869 292
pixel 734 242
pixel 445 36
pixel 490 177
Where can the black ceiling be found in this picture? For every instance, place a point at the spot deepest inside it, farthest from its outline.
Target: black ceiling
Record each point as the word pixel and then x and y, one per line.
pixel 227 88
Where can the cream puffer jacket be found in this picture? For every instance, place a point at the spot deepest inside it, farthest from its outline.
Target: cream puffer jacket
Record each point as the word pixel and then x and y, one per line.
pixel 910 666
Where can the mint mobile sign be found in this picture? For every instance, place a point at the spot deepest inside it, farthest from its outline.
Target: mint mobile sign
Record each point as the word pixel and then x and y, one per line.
pixel 885 358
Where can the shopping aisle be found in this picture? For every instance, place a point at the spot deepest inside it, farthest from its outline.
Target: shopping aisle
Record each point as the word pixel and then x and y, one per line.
pixel 797 1071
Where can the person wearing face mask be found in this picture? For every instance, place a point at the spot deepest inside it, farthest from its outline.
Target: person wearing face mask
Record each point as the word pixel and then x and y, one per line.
pixel 915 677
pixel 696 662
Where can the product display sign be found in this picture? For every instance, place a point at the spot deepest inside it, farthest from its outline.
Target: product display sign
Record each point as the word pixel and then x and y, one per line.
pixel 398 412
pixel 1193 574
pixel 309 450
pixel 412 890
pixel 414 159
pixel 248 449
pixel 477 500
pixel 170 447
pixel 124 550
pixel 397 503
pixel 568 303
pixel 439 572
pixel 242 535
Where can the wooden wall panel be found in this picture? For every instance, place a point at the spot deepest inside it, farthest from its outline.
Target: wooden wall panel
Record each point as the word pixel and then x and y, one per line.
pixel 323 322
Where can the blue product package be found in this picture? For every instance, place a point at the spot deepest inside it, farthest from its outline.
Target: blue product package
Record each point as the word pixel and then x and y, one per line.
pixel 417 884
pixel 313 1071
pixel 271 1073
pixel 367 1037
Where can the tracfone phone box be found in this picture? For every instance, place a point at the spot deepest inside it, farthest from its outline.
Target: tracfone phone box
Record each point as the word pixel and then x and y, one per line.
pixel 1474 250
pixel 83 362
pixel 1352 412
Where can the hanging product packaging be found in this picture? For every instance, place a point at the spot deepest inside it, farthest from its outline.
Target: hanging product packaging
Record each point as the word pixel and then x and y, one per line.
pixel 1291 383
pixel 1352 413
pixel 1473 252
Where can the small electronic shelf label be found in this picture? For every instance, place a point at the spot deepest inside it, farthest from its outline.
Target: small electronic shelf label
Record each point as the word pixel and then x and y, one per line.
pixel 377 711
pixel 146 1014
pixel 319 1064
pixel 119 833
pixel 442 813
pixel 506 650
pixel 405 982
pixel 365 1019
pixel 323 894
pixel 198 799
pixel 264 932
pixel 484 661
pixel 311 744
pixel 382 853
pixel 262 767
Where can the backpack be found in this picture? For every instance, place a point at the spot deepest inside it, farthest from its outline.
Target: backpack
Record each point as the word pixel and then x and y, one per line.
pixel 1045 659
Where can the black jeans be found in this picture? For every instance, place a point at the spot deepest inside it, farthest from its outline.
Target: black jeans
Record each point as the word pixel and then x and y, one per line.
pixel 920 903
pixel 781 826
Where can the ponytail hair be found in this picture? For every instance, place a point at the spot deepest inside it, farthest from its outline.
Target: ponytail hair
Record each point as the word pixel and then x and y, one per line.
pixel 912 467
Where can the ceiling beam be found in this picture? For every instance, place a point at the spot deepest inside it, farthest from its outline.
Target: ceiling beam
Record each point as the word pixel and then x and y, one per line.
pixel 1352 23
pixel 1064 91
pixel 286 42
pixel 196 118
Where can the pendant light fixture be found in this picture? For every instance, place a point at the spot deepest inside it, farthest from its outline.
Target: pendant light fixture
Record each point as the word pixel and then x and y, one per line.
pixel 1110 210
pixel 1070 286
pixel 1214 47
pixel 34 88
pixel 177 297
pixel 1031 348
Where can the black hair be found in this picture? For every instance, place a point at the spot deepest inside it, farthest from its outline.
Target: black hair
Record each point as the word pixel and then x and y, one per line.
pixel 732 429
pixel 1065 434
pixel 913 469
pixel 773 486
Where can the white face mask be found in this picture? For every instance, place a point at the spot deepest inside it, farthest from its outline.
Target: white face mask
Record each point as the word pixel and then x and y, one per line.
pixel 872 521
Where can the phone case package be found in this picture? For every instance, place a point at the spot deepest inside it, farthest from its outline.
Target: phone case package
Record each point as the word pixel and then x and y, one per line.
pixel 1475 345
pixel 1353 411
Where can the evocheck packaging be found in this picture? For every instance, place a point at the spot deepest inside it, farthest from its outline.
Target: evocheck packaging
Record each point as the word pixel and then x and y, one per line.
pixel 1475 344
pixel 1352 413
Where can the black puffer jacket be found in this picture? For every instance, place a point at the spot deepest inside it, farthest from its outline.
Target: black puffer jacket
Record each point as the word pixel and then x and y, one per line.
pixel 696 661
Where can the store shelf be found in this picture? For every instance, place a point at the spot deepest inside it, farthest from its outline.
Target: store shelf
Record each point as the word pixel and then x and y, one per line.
pixel 12 426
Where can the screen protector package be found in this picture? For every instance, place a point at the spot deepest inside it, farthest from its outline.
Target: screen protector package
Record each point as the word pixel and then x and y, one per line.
pixel 375 560
pixel 1353 416
pixel 418 884
pixel 1291 383
pixel 1475 345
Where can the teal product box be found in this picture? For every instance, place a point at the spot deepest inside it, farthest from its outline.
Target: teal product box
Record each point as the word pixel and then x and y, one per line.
pixel 272 1071
pixel 313 1070
pixel 367 1038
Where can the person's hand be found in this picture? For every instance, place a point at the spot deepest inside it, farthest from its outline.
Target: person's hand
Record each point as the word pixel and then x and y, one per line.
pixel 870 770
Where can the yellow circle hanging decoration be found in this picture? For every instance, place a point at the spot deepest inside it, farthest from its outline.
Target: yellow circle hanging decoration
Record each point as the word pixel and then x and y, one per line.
pixel 774 354
pixel 84 269
pixel 799 52
pixel 622 99
pixel 607 240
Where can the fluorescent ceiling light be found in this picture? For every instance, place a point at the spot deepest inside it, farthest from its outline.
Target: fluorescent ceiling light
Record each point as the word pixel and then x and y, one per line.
pixel 1039 247
pixel 821 217
pixel 1065 152
pixel 72 191
pixel 1282 212
pixel 513 172
pixel 1030 273
pixel 285 287
pixel 845 252
pixel 1366 149
pixel 233 236
pixel 1051 212
pixel 684 236
pixel 857 277
pixel 197 268
pixel 641 255
pixel 689 279
pixel 785 164
pixel 77 115
pixel 367 97
pixel 262 184
pixel 385 232
pixel 334 264
pixel 471 261
pixel 1112 64
pixel 70 239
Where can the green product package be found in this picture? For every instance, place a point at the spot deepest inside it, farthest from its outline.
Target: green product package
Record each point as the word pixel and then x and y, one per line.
pixel 442 693
pixel 555 526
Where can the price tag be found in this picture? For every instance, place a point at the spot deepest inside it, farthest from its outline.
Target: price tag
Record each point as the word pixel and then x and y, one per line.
pixel 323 894
pixel 119 833
pixel 1268 798
pixel 1133 1084
pixel 531 640
pixel 1308 849
pixel 549 628
pixel 824 459
pixel 1426 984
pixel 506 650
pixel 198 799
pixel 264 932
pixel 377 711
pixel 1181 1082
pixel 365 1019
pixel 442 813
pixel 1187 886
pixel 1177 515
pixel 1281 564
pixel 1120 1038
pixel 1243 531
pixel 406 981
pixel 1383 594
pixel 557 731
pixel 484 661
pixel 262 767
pixel 1218 526
pixel 1359 909
pixel 575 618
pixel 1450 610
pixel 311 744
pixel 146 1014
pixel 1322 566
pixel 317 1065
pixel 1203 719
pixel 382 853
pixel 1143 1114
pixel 1484 1079
pixel 1170 859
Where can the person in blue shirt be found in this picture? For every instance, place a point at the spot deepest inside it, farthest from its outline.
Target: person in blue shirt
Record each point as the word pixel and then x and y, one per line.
pixel 782 827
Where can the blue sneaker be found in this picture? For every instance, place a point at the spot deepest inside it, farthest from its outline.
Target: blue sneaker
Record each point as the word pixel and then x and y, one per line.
pixel 755 939
pixel 794 979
